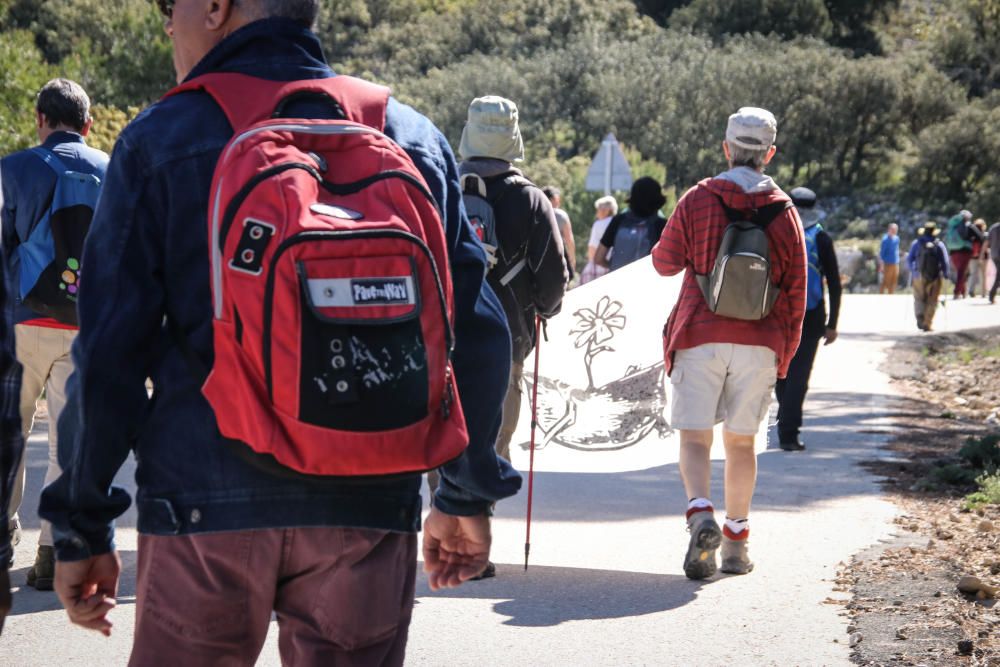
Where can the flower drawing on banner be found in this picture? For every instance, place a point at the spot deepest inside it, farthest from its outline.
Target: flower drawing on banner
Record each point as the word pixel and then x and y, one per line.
pixel 620 412
pixel 597 326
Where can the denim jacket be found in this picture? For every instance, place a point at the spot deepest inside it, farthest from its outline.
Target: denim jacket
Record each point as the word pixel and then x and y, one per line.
pixel 147 256
pixel 28 184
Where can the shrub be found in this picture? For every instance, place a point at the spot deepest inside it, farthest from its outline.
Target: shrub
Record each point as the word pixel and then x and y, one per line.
pixel 988 493
pixel 982 453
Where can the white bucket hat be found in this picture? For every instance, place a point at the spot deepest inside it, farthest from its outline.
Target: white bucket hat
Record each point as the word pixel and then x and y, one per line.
pixel 491 131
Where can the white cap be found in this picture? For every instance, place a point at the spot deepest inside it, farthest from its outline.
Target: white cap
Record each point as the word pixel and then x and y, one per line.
pixel 752 128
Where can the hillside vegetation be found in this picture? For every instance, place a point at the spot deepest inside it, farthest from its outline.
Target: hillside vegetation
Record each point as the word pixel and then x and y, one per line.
pixel 892 99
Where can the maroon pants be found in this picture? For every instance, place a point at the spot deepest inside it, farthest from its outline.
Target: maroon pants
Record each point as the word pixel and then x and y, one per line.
pixel 960 263
pixel 342 597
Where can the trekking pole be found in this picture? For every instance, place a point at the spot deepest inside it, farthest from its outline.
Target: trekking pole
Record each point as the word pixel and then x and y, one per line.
pixel 534 424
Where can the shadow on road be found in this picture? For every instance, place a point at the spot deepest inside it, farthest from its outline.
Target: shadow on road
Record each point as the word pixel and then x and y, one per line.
pixel 546 596
pixel 841 430
pixel 28 601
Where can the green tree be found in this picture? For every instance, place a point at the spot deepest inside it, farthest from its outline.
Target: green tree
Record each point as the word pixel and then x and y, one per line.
pixel 108 124
pixel 785 18
pixel 955 160
pixel 22 76
pixel 856 23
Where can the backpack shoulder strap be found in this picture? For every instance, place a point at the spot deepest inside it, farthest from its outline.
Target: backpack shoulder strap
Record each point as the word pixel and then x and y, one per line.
pixel 765 215
pixel 50 158
pixel 762 217
pixel 247 100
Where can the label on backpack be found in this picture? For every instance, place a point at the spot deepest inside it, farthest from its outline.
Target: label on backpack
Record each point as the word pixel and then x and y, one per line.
pixel 347 292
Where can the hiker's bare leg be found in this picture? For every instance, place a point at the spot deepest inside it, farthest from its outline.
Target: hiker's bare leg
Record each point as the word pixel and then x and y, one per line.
pixel 741 473
pixel 695 462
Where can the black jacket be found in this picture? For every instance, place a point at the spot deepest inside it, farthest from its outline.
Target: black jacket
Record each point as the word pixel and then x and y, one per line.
pixel 526 228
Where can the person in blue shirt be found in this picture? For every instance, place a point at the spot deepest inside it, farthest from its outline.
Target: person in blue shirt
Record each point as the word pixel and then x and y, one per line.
pixel 62 121
pixel 224 544
pixel 888 260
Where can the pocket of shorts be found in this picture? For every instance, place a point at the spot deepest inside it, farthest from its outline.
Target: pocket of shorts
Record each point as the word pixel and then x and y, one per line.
pixel 768 378
pixel 676 376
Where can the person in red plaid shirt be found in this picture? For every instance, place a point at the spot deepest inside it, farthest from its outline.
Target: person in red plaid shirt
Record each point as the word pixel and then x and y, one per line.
pixel 723 370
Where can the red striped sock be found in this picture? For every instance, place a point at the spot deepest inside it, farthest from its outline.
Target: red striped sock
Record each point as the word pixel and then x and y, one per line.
pixel 736 529
pixel 699 505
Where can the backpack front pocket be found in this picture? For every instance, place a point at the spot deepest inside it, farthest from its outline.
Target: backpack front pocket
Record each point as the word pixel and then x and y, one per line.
pixel 362 355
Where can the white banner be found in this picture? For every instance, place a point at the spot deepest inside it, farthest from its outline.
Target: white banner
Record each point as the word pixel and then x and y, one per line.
pixel 603 399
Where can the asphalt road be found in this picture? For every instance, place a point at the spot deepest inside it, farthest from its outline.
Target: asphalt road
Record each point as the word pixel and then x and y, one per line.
pixel 605 585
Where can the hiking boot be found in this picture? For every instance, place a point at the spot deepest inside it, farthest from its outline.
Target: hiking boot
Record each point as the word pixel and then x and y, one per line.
pixel 699 563
pixel 792 445
pixel 42 573
pixel 735 559
pixel 488 573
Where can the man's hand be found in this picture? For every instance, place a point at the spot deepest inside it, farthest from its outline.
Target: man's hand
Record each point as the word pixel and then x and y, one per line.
pixel 5 599
pixel 830 335
pixel 87 588
pixel 456 548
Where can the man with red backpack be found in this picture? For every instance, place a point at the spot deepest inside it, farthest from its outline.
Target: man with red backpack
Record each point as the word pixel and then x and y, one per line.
pixel 733 331
pixel 287 258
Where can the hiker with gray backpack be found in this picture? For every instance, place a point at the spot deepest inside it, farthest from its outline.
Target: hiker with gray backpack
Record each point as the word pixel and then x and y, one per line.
pixel 733 331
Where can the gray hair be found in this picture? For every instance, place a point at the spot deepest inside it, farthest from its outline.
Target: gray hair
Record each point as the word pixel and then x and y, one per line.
pixel 744 157
pixel 608 201
pixel 301 11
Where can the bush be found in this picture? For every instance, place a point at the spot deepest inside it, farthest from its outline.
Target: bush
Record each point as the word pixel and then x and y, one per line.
pixel 982 453
pixel 953 474
pixel 988 493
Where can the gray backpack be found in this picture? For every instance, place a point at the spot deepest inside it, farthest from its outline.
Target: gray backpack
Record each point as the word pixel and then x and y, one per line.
pixel 739 285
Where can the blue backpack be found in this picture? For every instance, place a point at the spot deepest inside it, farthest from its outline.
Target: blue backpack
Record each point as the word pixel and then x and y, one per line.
pixel 49 259
pixel 814 285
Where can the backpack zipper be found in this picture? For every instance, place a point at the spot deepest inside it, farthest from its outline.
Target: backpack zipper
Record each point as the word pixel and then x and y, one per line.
pixel 216 250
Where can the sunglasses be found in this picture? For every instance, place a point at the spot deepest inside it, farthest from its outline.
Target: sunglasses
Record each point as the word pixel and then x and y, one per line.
pixel 166 7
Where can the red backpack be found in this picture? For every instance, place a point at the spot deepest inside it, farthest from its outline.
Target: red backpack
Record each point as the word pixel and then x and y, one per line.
pixel 332 293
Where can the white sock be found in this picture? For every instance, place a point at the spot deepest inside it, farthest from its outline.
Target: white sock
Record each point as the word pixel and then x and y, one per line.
pixel 736 526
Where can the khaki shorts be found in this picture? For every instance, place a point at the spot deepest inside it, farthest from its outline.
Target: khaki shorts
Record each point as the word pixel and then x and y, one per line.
pixel 722 383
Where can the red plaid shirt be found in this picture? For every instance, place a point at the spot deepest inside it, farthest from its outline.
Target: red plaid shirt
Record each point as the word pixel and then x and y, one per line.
pixel 691 241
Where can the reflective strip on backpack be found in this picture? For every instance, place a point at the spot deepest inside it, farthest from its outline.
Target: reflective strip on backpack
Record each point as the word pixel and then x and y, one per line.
pixel 512 273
